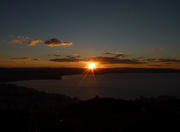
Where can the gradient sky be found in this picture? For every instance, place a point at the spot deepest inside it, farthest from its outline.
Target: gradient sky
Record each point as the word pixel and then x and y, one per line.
pixel 146 32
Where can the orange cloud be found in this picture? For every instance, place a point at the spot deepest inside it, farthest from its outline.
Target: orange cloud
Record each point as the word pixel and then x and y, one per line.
pixel 20 40
pixel 51 42
pixel 36 59
pixel 34 42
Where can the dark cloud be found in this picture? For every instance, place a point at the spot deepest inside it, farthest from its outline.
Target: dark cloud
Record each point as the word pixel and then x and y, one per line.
pixel 68 58
pixel 36 59
pixel 115 54
pixel 104 60
pixel 168 60
pixel 73 56
pixel 55 42
pixel 162 60
pixel 55 55
pixel 21 59
pixel 65 60
pixel 155 65
pixel 115 60
pixel 25 59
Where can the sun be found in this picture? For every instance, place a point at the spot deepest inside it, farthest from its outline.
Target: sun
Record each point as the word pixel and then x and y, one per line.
pixel 92 66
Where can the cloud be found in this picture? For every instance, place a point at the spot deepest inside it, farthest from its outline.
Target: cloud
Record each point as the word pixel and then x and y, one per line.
pixel 20 40
pixel 21 59
pixel 55 42
pixel 167 60
pixel 36 59
pixel 55 55
pixel 76 55
pixel 155 65
pixel 157 49
pixel 65 60
pixel 115 54
pixel 69 58
pixel 34 42
pixel 103 60
pixel 115 60
pixel 25 59
pixel 73 56
pixel 161 60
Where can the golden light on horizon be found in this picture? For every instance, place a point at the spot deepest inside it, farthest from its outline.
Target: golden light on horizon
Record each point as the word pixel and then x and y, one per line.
pixel 92 66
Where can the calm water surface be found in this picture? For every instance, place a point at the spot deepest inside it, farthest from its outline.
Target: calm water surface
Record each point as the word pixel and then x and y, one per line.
pixel 126 85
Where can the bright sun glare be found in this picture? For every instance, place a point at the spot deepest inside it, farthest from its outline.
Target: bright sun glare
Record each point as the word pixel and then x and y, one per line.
pixel 91 66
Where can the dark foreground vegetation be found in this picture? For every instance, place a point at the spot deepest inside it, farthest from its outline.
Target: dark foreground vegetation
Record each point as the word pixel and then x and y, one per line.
pixel 26 110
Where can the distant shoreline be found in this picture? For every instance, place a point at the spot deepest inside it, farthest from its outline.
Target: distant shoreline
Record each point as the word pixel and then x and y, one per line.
pixel 20 74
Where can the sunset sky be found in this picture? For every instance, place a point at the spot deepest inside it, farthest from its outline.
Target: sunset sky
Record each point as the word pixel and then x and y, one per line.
pixel 70 33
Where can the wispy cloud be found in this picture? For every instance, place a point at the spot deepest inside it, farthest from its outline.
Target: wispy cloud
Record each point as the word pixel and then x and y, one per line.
pixel 20 40
pixel 21 59
pixel 55 55
pixel 115 54
pixel 167 60
pixel 115 60
pixel 76 55
pixel 157 49
pixel 67 59
pixel 161 60
pixel 34 42
pixel 25 59
pixel 73 56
